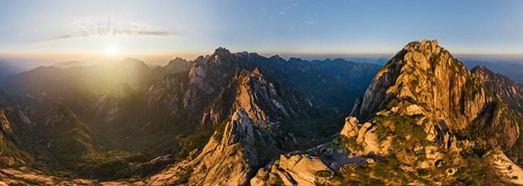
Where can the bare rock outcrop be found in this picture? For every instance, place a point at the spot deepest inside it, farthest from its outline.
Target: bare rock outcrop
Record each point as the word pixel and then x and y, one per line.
pixel 426 73
pixel 424 82
pixel 227 159
pixel 501 87
pixel 365 141
pixel 506 169
pixel 300 169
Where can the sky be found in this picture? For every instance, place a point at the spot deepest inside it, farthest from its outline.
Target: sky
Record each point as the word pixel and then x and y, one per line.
pixel 158 30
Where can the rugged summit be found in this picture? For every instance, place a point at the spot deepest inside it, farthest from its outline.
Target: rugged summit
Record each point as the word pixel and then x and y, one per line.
pixel 426 73
pixel 227 159
pixel 425 108
pixel 249 137
pixel 501 87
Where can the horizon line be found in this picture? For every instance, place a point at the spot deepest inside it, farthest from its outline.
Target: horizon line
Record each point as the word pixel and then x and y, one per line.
pixel 267 53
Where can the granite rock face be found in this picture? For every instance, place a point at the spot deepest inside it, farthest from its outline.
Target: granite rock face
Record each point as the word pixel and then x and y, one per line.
pixel 227 159
pixel 426 73
pixel 250 135
pixel 424 80
pixel 293 170
pixel 424 108
pixel 501 87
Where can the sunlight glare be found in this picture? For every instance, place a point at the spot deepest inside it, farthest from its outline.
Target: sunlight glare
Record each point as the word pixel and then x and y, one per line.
pixel 111 51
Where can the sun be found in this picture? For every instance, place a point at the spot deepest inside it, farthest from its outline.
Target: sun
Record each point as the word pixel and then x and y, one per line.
pixel 111 51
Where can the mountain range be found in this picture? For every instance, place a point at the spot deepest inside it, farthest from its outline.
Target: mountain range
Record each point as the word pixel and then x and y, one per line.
pixel 245 119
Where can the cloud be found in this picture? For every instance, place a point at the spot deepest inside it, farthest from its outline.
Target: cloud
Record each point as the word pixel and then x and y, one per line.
pixel 96 27
pixel 310 22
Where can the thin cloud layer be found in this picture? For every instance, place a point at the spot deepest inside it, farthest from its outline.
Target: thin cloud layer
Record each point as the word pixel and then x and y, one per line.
pixel 97 27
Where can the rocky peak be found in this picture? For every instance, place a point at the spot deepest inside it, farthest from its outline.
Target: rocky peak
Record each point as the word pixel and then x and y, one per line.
pixel 256 72
pixel 277 58
pixel 339 60
pixel 261 98
pixel 207 75
pixel 424 100
pixel 426 74
pixel 501 87
pixel 221 51
pixel 221 54
pixel 227 159
pixel 239 129
pixel 425 46
pixel 178 65
pixel 177 60
pixel 482 70
pixel 175 66
pixel 251 91
pixel 134 62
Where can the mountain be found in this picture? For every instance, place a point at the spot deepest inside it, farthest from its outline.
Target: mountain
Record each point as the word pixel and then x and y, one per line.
pixel 11 153
pixel 501 87
pixel 244 119
pixel 83 116
pixel 229 157
pixel 424 119
pixel 425 109
pixel 509 92
pixel 509 68
pixel 249 137
pixel 76 80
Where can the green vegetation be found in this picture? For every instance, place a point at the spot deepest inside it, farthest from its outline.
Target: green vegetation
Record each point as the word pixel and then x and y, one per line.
pixel 348 143
pixel 406 126
pixel 8 149
pixel 352 144
pixel 384 172
pixel 108 165
pixel 189 143
pixel 279 181
pixel 517 149
pixel 324 173
pixel 392 103
pixel 294 128
pixel 220 130
pixel 476 172
pixel 390 170
pixel 338 142
pixel 326 127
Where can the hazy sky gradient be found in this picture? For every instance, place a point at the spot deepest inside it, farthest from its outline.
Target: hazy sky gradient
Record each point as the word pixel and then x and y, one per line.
pixel 266 26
